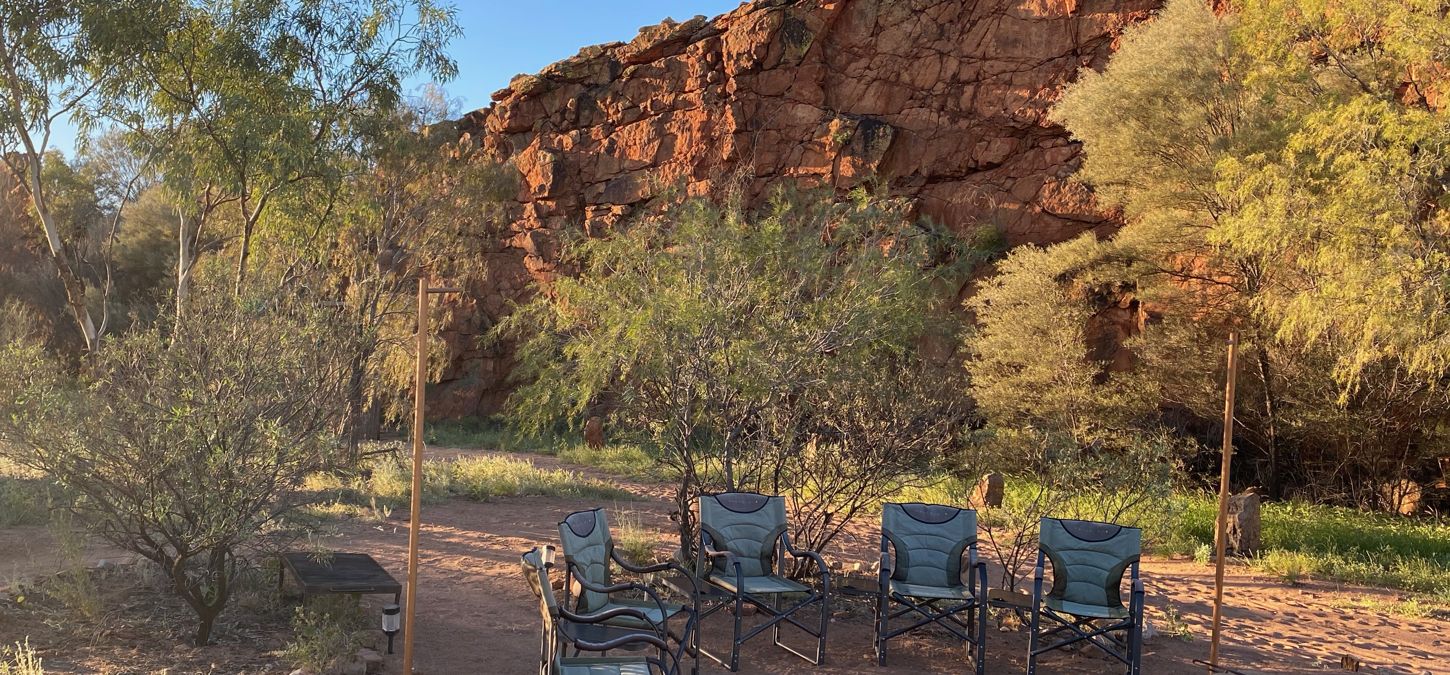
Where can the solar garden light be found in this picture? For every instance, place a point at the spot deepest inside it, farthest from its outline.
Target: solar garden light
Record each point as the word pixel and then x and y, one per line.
pixel 391 619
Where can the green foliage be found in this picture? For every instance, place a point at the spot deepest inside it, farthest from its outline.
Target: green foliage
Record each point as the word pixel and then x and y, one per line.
pixel 185 442
pixel 775 351
pixel 326 633
pixel 622 459
pixel 1279 167
pixel 634 541
pixel 1031 366
pixel 386 483
pixel 1053 474
pixel 25 496
pixel 1307 541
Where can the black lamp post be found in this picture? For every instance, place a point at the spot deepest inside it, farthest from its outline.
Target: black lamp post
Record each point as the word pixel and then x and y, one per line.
pixel 391 620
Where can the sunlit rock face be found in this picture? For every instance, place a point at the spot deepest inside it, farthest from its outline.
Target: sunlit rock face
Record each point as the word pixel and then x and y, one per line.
pixel 941 101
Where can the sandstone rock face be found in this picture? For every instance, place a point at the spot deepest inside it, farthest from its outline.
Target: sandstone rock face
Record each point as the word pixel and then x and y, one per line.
pixel 941 101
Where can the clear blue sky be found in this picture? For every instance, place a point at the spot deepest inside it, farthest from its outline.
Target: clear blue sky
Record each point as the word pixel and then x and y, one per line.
pixel 502 38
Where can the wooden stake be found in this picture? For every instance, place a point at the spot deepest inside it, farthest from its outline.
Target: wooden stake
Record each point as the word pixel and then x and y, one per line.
pixel 420 383
pixel 1221 532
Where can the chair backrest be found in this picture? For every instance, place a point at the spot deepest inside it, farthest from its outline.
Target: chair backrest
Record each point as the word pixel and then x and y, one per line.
pixel 747 525
pixel 587 546
pixel 537 574
pixel 929 540
pixel 1088 559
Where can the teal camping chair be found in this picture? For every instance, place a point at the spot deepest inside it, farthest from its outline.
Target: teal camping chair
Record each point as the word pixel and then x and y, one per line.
pixel 743 542
pixel 1085 602
pixel 589 557
pixel 564 630
pixel 921 570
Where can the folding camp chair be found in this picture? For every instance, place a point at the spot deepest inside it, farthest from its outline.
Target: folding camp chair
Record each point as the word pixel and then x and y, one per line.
pixel 1088 560
pixel 743 539
pixel 563 630
pixel 589 555
pixel 925 575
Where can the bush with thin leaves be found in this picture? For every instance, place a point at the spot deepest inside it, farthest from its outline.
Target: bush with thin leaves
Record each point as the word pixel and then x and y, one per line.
pixel 185 442
pixel 794 350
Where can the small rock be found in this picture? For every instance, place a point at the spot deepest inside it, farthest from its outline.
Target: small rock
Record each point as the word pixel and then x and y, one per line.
pixel 372 660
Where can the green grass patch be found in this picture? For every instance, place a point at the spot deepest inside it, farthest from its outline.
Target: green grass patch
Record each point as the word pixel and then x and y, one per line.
pixel 625 460
pixel 25 497
pixel 1306 541
pixel 386 484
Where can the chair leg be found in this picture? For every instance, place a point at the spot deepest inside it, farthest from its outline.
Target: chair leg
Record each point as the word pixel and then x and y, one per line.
pixel 735 640
pixel 825 624
pixel 1032 643
pixel 883 621
pixel 981 637
pixel 1135 648
pixel 775 629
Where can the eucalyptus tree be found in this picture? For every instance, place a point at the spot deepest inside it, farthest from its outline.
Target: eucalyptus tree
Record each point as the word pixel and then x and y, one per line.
pixel 244 102
pixel 48 75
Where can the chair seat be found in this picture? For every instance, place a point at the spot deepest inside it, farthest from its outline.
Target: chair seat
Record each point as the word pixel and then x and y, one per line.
pixel 649 609
pixel 603 665
pixel 932 592
pixel 764 584
pixel 1087 611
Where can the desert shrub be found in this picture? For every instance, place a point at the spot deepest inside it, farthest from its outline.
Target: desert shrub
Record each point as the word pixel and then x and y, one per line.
pixel 793 350
pixel 1053 475
pixel 20 660
pixel 325 633
pixel 186 441
pixel 635 542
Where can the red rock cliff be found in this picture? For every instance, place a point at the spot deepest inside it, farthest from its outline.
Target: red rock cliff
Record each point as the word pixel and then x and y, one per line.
pixel 944 101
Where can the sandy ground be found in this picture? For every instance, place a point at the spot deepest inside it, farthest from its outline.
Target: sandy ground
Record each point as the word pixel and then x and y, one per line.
pixel 476 614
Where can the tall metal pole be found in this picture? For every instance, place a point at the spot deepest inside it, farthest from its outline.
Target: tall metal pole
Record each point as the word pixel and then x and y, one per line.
pixel 414 520
pixel 1221 532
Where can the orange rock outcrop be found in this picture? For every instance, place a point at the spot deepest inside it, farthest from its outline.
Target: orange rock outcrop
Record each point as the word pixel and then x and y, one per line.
pixel 941 101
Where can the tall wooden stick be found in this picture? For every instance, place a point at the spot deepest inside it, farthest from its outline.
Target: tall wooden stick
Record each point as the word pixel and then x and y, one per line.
pixel 414 520
pixel 415 515
pixel 1221 532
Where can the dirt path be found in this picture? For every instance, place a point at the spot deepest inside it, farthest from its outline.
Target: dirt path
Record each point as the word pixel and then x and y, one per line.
pixel 477 613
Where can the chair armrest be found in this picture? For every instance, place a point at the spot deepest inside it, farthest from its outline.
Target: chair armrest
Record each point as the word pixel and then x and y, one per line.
pixel 825 572
pixel 619 588
pixel 606 615
pixel 981 574
pixel 643 569
pixel 615 643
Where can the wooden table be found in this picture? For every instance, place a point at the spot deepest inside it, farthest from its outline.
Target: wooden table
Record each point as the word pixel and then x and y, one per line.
pixel 353 573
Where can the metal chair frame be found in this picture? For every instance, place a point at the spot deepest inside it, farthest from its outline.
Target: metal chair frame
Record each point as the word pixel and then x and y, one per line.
pixel 781 546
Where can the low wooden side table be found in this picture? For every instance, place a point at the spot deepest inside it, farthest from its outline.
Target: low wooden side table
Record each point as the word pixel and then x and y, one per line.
pixel 352 573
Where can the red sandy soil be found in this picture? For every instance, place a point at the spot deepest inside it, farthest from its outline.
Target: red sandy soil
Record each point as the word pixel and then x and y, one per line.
pixel 476 614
